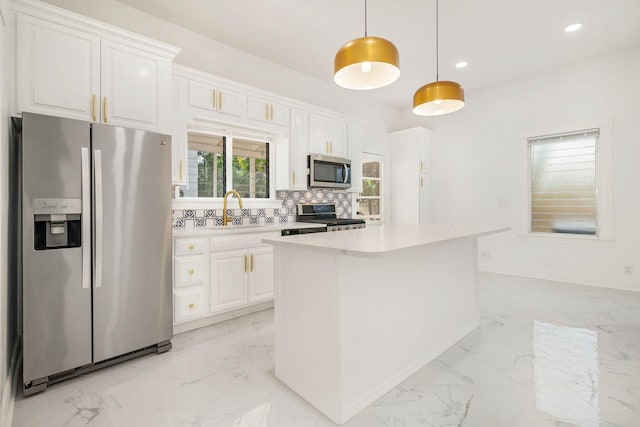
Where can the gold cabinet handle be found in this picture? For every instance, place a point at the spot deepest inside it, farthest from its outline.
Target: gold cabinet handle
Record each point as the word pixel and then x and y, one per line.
pixel 220 100
pixel 105 114
pixel 421 182
pixel 421 165
pixel 252 263
pixel 191 271
pixel 191 247
pixel 245 263
pixel 213 99
pixel 93 107
pixel 191 305
pixel 331 146
pixel 271 112
pixel 293 174
pixel 180 169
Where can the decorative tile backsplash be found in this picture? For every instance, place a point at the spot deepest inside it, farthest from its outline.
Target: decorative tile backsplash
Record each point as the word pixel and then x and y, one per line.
pixel 199 218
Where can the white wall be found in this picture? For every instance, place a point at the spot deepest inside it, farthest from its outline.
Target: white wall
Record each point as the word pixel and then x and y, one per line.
pixel 8 308
pixel 477 162
pixel 219 59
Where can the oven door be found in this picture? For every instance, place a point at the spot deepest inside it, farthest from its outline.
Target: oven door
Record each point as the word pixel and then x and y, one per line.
pixel 329 172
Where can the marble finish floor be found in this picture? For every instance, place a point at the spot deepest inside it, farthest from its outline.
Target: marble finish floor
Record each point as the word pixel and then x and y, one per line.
pixel 546 354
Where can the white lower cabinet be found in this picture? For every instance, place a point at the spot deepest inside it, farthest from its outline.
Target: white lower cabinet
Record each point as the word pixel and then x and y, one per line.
pixel 189 304
pixel 240 277
pixel 260 283
pixel 228 283
pixel 220 276
pixel 190 279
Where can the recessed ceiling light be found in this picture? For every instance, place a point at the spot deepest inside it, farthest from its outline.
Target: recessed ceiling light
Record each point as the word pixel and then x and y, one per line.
pixel 462 64
pixel 573 27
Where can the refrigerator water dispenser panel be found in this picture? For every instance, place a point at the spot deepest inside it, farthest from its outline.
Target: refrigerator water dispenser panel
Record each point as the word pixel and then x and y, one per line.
pixel 57 223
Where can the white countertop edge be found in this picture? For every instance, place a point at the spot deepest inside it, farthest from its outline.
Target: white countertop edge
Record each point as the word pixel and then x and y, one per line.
pixel 318 242
pixel 232 230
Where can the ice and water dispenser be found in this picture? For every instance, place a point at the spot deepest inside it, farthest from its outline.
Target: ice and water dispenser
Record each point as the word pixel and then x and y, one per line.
pixel 57 223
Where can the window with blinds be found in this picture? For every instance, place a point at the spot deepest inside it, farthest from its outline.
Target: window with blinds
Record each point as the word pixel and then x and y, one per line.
pixel 563 183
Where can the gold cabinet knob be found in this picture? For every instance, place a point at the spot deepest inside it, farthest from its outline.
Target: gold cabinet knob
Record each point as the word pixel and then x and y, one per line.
pixel 191 271
pixel 191 305
pixel 192 247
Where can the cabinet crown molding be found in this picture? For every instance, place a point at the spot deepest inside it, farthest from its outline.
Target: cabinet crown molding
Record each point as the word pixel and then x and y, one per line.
pixel 74 20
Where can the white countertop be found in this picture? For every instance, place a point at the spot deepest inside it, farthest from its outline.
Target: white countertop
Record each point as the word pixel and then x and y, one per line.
pixel 376 241
pixel 240 229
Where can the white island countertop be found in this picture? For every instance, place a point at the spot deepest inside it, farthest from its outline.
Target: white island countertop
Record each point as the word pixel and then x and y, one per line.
pixel 381 240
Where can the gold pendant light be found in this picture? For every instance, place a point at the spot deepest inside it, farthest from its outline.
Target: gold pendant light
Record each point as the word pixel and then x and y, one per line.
pixel 367 62
pixel 439 97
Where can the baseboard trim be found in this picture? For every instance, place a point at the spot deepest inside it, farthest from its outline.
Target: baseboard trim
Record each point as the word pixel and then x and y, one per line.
pixel 178 328
pixel 559 277
pixel 11 387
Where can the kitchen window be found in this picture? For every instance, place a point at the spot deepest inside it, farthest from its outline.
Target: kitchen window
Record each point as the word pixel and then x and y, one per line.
pixel 205 170
pixel 564 179
pixel 370 201
pixel 218 163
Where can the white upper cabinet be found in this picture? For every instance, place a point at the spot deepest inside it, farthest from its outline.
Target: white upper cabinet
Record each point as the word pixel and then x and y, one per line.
pixel 220 100
pixel 58 70
pixel 327 135
pixel 355 155
pixel 410 181
pixel 75 67
pixel 136 87
pixel 266 111
pixel 298 149
pixel 179 132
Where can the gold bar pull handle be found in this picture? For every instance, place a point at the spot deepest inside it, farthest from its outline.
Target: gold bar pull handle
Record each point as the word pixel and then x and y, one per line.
pixel 271 112
pixel 293 175
pixel 421 165
pixel 245 263
pixel 180 169
pixel 94 115
pixel 252 263
pixel 220 100
pixel 105 114
pixel 213 99
pixel 421 182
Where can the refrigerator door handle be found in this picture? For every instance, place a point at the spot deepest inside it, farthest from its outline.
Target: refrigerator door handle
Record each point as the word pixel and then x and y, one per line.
pixel 97 241
pixel 86 215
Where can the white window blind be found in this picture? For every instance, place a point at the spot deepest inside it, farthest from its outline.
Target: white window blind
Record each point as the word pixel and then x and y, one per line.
pixel 563 183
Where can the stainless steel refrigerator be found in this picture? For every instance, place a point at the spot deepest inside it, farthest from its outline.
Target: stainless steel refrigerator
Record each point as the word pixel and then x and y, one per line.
pixel 95 245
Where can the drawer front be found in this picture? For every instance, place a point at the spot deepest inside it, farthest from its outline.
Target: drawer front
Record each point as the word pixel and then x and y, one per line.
pixel 241 240
pixel 188 304
pixel 190 246
pixel 189 270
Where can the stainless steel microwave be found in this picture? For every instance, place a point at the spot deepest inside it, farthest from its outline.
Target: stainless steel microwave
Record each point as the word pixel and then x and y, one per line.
pixel 328 172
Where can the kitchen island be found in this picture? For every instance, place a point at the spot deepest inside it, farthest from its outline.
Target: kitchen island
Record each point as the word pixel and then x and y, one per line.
pixel 359 311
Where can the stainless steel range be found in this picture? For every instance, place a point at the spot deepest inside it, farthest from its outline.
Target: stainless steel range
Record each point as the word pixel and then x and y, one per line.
pixel 325 213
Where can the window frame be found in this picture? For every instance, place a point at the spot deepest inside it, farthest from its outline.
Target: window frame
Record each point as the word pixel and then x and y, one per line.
pixel 228 133
pixel 373 157
pixel 604 185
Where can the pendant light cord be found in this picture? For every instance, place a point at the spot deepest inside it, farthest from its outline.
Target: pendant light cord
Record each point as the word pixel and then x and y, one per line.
pixel 437 48
pixel 365 18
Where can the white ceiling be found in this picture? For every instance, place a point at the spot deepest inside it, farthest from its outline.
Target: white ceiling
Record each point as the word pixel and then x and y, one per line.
pixel 501 39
